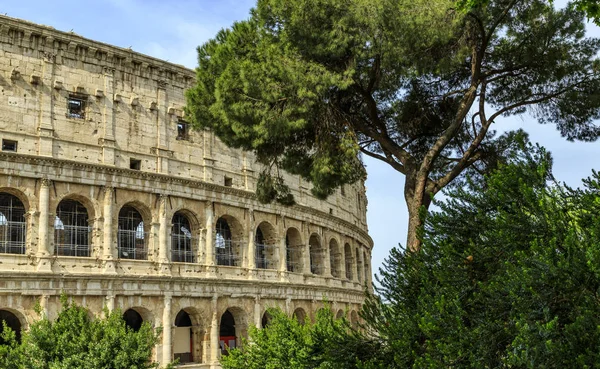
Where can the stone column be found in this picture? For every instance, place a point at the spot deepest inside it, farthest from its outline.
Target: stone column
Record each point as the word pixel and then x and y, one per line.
pixel 214 332
pixel 209 243
pixel 167 355
pixel 355 269
pixel 327 257
pixel 251 262
pixel 306 253
pixel 342 251
pixel 361 264
pixel 281 248
pixel 46 105
pixel 163 231
pixel 107 139
pixel 107 251
pixel 257 316
pixel 43 244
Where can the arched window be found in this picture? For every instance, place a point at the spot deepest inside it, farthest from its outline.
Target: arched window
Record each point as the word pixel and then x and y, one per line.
pixel 300 315
pixel 366 267
pixel 359 269
pixel 334 258
pixel 133 319
pixel 12 225
pixel 266 319
pixel 183 342
pixel 182 242
pixel 227 334
pixel 12 322
pixel 348 261
pixel 225 251
pixel 71 229
pixel 264 241
pixel 316 255
pixel 293 250
pixel 132 238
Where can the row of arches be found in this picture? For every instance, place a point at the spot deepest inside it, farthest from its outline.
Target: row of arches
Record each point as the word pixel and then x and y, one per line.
pixel 73 235
pixel 190 335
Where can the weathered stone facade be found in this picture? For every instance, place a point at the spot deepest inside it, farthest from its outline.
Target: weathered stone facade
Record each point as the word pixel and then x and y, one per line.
pixel 108 196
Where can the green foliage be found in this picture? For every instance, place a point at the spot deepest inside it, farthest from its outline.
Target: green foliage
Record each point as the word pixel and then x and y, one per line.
pixel 507 276
pixel 74 341
pixel 285 343
pixel 308 85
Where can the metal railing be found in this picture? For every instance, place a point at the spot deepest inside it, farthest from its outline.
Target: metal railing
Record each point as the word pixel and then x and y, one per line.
pixel 72 240
pixel 262 259
pixel 349 268
pixel 132 244
pixel 292 259
pixel 225 253
pixel 182 247
pixel 12 237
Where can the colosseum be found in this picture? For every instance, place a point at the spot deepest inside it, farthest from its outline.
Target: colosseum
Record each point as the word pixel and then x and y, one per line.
pixel 109 196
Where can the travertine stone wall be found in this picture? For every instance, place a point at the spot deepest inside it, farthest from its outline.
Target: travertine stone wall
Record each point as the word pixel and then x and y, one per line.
pixel 133 105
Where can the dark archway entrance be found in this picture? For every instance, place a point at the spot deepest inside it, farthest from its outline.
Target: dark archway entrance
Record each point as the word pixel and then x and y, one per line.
pixel 227 336
pixel 183 342
pixel 133 320
pixel 12 322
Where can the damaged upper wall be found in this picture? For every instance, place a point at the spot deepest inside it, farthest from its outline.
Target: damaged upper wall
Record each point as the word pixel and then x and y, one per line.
pixel 70 98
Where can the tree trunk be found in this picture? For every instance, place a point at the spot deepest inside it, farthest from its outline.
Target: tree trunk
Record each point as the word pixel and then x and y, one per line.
pixel 414 204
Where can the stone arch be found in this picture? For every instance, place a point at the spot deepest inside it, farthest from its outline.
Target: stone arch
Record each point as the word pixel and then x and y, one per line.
pixel 188 336
pixel 335 258
pixel 265 242
pixel 183 242
pixel 293 250
pixel 354 320
pixel 359 269
pixel 233 326
pixel 134 317
pixel 228 241
pixel 340 314
pixel 300 315
pixel 72 229
pixel 13 223
pixel 86 202
pixel 133 230
pixel 348 261
pixel 317 255
pixel 14 320
pixel 266 319
pixel 28 203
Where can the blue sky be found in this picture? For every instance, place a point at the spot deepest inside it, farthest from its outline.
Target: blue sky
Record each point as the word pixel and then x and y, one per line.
pixel 172 29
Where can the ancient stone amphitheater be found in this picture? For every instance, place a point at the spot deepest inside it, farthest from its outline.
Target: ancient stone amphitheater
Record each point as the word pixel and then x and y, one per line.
pixel 107 195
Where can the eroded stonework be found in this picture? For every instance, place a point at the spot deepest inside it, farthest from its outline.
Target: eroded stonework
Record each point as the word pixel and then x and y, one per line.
pixel 107 195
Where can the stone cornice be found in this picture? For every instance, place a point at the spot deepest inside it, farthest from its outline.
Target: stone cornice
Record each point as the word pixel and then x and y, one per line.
pixel 52 42
pixel 164 178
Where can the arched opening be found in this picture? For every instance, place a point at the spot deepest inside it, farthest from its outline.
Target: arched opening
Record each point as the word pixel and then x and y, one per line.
pixel 227 333
pixel 132 236
pixel 366 267
pixel 335 258
pixel 359 270
pixel 12 321
pixel 182 242
pixel 183 338
pixel 300 315
pixel 265 244
pixel 227 249
pixel 348 261
pixel 12 225
pixel 316 255
pixel 293 251
pixel 133 320
pixel 266 319
pixel 340 314
pixel 72 232
pixel 354 319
